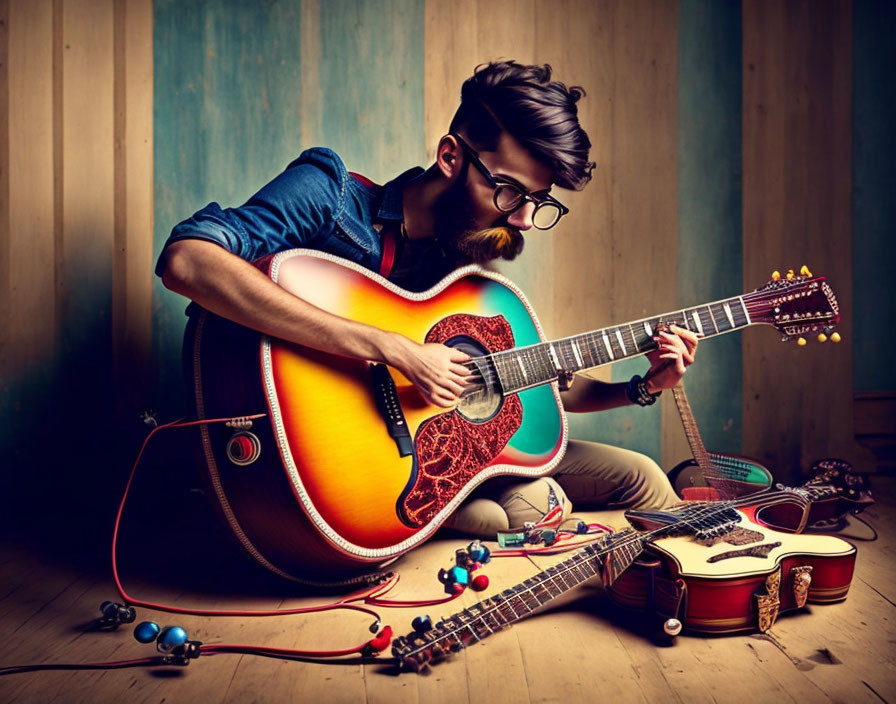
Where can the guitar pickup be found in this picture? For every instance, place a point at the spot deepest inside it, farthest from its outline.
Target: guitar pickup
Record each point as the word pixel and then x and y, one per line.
pixel 387 403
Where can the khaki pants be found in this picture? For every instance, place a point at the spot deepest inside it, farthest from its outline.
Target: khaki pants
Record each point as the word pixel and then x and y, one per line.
pixel 590 475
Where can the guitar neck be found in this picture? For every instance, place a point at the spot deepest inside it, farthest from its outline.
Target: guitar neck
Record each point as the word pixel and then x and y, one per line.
pixel 526 367
pixel 608 558
pixel 691 431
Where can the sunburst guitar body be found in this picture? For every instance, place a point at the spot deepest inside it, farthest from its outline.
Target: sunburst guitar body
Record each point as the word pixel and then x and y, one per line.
pixel 353 467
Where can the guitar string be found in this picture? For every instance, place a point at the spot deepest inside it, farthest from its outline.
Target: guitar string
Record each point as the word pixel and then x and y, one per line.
pixel 753 302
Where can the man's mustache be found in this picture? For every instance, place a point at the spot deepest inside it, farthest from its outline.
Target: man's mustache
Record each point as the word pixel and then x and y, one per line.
pixel 495 242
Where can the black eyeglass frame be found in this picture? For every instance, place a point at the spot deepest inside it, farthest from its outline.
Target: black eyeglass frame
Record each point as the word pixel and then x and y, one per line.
pixel 497 183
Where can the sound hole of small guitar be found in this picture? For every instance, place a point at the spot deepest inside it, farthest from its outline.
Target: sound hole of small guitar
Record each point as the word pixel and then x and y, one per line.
pixel 483 397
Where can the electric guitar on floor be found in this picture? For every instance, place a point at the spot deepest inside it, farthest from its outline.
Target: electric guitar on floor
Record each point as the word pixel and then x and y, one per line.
pixel 351 468
pixel 708 565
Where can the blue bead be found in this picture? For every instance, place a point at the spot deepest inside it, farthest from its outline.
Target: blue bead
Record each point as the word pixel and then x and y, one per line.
pixel 421 624
pixel 170 638
pixel 146 631
pixel 481 554
pixel 458 575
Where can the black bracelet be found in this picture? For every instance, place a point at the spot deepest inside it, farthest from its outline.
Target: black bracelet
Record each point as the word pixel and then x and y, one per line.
pixel 636 390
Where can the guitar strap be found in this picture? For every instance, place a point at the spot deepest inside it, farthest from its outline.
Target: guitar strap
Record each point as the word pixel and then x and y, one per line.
pixel 387 232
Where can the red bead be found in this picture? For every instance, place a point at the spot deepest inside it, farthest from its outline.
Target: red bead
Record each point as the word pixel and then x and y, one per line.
pixel 480 583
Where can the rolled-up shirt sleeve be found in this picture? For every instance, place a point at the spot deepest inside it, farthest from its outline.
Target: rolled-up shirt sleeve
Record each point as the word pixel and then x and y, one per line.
pixel 296 209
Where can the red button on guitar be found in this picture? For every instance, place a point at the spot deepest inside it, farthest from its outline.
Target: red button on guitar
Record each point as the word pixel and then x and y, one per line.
pixel 243 448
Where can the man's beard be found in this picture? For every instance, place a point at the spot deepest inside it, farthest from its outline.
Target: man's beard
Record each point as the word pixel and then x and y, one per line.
pixel 462 240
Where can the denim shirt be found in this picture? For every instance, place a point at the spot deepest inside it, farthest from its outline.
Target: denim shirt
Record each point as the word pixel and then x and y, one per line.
pixel 315 203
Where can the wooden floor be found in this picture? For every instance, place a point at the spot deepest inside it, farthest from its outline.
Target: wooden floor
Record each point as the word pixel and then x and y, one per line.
pixel 584 651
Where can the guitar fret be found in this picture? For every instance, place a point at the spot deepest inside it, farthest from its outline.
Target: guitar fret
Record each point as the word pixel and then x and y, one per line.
pixel 554 359
pixel 588 348
pixel 719 317
pixel 621 343
pixel 697 323
pixel 595 350
pixel 727 310
pixel 569 361
pixel 607 346
pixel 577 353
pixel 707 319
pixel 743 308
pixel 618 349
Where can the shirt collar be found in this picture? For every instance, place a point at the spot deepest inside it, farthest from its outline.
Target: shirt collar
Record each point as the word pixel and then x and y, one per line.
pixel 391 205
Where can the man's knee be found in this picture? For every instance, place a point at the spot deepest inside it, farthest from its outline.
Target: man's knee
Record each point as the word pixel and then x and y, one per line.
pixel 649 487
pixel 511 507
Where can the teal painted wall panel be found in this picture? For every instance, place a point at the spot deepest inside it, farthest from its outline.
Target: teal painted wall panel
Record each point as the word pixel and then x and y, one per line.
pixel 371 84
pixel 242 87
pixel 631 427
pixel 874 195
pixel 710 260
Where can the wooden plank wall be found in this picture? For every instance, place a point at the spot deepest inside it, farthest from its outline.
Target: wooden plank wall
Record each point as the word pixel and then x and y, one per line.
pixel 239 93
pixel 797 76
pixel 77 226
pixel 874 208
pixel 239 89
pixel 710 262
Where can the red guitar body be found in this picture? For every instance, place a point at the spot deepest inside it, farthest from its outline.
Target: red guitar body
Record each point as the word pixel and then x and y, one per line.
pixel 739 582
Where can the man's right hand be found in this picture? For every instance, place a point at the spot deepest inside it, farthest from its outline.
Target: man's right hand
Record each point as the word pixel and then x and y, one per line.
pixel 436 370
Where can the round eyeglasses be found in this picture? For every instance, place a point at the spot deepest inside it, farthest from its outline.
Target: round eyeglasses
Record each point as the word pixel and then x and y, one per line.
pixel 510 197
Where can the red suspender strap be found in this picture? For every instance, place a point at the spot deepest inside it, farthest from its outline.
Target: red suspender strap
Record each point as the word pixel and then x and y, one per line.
pixel 387 233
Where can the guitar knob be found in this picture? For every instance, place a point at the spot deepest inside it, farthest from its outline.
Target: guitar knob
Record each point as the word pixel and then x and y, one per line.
pixel 801 341
pixel 835 337
pixel 790 275
pixel 243 448
pixel 804 271
pixel 822 337
pixel 672 627
pixel 776 275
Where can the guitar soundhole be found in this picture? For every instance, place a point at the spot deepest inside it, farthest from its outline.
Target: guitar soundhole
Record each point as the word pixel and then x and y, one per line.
pixel 482 399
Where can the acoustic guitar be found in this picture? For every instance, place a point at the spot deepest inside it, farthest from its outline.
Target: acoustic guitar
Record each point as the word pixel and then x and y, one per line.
pixel 351 468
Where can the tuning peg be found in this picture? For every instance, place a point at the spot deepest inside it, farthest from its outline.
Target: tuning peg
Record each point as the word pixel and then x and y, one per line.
pixel 804 271
pixel 822 337
pixel 790 275
pixel 801 341
pixel 776 275
pixel 835 337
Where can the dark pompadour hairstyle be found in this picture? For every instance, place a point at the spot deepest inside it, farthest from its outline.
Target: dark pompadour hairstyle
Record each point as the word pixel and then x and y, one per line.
pixel 539 113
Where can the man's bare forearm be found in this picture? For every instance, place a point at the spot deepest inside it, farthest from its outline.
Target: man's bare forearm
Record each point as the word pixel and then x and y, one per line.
pixel 234 289
pixel 589 395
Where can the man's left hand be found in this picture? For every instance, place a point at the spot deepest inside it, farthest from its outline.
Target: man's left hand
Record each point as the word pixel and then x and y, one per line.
pixel 676 351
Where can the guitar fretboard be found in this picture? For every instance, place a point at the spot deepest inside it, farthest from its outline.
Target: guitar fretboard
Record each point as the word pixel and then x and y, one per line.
pixel 526 367
pixel 608 558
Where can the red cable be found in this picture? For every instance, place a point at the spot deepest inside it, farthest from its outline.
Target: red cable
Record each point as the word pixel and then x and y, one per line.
pixel 128 599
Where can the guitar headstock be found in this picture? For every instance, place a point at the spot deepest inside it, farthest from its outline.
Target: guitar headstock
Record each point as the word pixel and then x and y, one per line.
pixel 797 305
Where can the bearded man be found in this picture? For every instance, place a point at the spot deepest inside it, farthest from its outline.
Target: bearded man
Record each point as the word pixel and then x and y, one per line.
pixel 514 137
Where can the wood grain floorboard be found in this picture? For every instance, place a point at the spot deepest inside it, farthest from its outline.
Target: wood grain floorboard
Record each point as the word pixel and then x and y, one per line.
pixel 586 648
